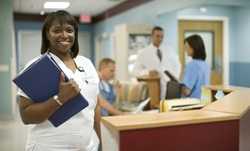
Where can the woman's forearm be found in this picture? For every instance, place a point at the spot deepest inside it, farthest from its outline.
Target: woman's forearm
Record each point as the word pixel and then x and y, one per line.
pixel 34 113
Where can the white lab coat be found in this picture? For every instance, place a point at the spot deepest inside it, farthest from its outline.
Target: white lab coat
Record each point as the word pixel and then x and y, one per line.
pixel 148 60
pixel 76 134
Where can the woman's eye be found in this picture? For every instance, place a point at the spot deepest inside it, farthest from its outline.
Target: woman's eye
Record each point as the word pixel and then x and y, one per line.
pixel 57 31
pixel 70 30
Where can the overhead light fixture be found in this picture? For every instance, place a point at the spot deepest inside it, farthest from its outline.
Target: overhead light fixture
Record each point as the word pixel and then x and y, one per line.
pixel 203 9
pixel 56 5
pixel 42 13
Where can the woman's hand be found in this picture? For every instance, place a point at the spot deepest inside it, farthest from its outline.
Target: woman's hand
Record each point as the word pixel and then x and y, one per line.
pixel 34 113
pixel 185 91
pixel 67 90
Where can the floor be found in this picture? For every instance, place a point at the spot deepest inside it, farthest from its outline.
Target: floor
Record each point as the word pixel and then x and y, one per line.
pixel 12 135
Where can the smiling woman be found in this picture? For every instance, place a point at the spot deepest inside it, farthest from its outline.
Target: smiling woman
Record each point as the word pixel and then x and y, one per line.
pixel 60 32
pixel 60 41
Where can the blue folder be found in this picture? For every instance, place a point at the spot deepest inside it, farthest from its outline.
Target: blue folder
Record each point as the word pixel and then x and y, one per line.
pixel 40 81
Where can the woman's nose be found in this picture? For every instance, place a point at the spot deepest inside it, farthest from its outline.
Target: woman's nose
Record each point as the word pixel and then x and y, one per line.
pixel 64 33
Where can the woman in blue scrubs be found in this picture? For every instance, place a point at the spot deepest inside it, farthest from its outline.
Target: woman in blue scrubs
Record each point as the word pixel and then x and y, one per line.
pixel 197 71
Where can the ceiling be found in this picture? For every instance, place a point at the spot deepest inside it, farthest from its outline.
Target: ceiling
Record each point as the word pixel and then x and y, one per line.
pixel 87 7
pixel 96 7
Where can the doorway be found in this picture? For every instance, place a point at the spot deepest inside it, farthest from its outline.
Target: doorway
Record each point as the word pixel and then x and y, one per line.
pixel 212 34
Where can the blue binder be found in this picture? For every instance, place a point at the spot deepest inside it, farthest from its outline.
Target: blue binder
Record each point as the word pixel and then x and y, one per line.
pixel 40 81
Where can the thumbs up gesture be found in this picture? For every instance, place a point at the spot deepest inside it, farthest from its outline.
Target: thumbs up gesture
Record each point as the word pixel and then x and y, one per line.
pixel 67 90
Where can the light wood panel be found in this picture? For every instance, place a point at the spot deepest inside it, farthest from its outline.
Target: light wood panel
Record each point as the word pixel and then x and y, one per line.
pixel 142 121
pixel 153 84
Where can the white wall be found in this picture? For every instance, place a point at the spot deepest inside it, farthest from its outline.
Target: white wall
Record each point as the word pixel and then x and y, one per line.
pixel 30 45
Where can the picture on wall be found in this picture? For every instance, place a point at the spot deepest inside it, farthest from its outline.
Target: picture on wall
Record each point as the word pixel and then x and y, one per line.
pixel 136 43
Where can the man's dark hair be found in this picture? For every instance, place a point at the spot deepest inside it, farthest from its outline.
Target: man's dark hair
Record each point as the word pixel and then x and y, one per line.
pixel 156 28
pixel 61 17
pixel 196 42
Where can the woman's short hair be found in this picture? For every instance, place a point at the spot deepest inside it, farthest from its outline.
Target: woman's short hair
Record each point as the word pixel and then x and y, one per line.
pixel 196 42
pixel 61 17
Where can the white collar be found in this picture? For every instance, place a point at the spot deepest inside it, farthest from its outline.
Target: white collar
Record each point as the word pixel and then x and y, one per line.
pixel 69 73
pixel 153 46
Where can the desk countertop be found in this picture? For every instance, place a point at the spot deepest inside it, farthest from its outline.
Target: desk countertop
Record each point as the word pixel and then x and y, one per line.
pixel 230 107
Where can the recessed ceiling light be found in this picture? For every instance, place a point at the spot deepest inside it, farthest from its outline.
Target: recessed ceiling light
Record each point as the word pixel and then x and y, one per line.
pixel 56 5
pixel 42 13
pixel 203 9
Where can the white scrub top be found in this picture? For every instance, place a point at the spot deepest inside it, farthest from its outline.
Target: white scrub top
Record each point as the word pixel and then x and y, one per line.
pixel 76 134
pixel 148 60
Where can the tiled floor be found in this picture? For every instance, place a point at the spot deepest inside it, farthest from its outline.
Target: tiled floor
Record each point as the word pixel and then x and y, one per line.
pixel 12 135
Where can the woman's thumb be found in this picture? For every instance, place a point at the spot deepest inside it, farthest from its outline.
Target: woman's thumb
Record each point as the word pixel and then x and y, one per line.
pixel 62 77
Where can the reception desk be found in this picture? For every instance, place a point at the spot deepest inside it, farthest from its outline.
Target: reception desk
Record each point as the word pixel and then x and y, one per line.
pixel 223 125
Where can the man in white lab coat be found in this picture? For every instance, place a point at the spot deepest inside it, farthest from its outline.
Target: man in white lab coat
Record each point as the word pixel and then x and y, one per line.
pixel 155 59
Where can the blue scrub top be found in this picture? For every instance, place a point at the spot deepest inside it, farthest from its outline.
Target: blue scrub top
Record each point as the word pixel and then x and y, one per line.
pixel 110 95
pixel 196 75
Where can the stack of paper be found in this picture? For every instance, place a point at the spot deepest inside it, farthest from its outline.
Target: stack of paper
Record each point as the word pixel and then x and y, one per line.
pixel 180 104
pixel 135 107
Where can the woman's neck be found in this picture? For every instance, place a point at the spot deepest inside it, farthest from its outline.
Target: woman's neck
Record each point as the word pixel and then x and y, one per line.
pixel 63 56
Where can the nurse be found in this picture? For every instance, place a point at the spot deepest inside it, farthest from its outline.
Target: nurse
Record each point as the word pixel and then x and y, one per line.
pixel 60 41
pixel 108 91
pixel 197 71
